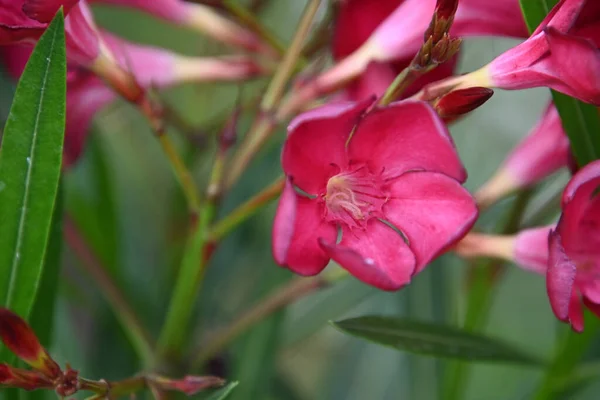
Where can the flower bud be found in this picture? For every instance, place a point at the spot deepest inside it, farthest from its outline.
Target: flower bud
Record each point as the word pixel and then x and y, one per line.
pixel 190 385
pixel 462 101
pixel 23 379
pixel 18 336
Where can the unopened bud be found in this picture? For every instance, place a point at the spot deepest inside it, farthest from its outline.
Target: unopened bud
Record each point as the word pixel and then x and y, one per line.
pixel 445 9
pixel 442 19
pixel 18 336
pixel 462 101
pixel 23 379
pixel 189 385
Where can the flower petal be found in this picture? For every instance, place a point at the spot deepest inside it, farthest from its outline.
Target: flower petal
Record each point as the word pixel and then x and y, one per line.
pixel 579 223
pixel 543 151
pixel 576 313
pixel 560 278
pixel 531 249
pixel 432 210
pixel 316 140
pixel 575 64
pixel 377 256
pixel 297 228
pixel 356 21
pixel 45 10
pixel 406 135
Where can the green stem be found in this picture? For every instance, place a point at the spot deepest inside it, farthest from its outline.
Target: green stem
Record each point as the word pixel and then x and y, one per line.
pixel 263 126
pixel 139 337
pixel 193 268
pixel 283 296
pixel 483 276
pixel 223 227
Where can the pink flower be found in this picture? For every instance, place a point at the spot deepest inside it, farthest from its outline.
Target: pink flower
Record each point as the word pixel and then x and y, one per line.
pixel 544 150
pixel 199 17
pixel 569 254
pixel 24 21
pixel 88 94
pixel 574 265
pixel 360 168
pixel 563 54
pixel 377 39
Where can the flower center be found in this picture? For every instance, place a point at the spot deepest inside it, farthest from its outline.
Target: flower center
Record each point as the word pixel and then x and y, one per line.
pixel 354 196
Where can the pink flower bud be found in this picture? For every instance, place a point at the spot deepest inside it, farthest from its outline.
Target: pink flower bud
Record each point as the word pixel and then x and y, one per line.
pixel 544 150
pixel 399 166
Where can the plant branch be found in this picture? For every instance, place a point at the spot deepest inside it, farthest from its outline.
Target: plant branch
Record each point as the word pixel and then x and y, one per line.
pixel 223 227
pixel 264 125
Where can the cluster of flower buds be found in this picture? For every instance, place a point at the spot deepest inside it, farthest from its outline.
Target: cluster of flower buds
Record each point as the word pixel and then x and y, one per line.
pixel 103 66
pixel 18 336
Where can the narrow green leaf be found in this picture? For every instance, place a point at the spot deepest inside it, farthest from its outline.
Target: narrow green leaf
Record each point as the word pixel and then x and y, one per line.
pixel 433 339
pixel 42 314
pixel 222 394
pixel 30 162
pixel 581 121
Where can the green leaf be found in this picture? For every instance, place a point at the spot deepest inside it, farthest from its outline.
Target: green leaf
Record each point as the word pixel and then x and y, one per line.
pixel 222 394
pixel 433 339
pixel 30 162
pixel 581 121
pixel 42 314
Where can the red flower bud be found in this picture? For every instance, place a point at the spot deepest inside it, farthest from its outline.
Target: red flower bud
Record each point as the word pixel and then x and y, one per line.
pixel 189 385
pixel 23 379
pixel 462 101
pixel 18 336
pixel 445 9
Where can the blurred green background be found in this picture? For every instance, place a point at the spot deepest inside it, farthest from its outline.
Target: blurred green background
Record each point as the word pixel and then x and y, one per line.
pixel 124 197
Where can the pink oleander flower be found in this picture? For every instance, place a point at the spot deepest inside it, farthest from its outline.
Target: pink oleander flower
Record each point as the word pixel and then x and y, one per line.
pixel 563 54
pixel 198 17
pixel 573 274
pixel 544 151
pixel 376 40
pixel 568 254
pixel 151 66
pixel 365 171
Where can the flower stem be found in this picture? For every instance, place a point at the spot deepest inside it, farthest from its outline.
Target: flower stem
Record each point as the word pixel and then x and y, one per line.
pixel 223 227
pixel 280 298
pixel 482 278
pixel 125 84
pixel 404 79
pixel 139 337
pixel 193 268
pixel 263 126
